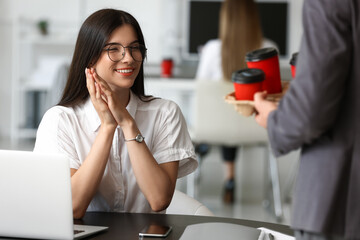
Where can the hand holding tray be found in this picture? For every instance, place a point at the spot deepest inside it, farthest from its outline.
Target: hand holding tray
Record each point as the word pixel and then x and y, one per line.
pixel 247 108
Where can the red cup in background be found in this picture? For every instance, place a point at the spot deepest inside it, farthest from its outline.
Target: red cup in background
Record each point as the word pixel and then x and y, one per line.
pixel 247 82
pixel 166 68
pixel 266 59
pixel 293 61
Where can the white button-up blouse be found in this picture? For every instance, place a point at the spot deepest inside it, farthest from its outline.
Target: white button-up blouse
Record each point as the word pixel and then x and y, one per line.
pixel 72 131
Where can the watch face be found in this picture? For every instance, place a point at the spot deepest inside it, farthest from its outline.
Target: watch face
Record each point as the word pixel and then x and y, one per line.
pixel 139 138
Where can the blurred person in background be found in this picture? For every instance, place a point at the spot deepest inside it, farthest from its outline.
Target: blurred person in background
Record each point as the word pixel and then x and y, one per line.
pixel 239 32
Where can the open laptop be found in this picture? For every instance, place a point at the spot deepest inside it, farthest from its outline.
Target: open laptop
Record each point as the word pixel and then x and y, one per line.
pixel 35 197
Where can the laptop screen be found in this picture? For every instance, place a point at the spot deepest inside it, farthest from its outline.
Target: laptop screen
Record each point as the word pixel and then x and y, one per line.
pixel 35 195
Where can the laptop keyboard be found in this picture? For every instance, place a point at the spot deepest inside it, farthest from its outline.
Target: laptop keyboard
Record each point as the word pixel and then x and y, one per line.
pixel 78 231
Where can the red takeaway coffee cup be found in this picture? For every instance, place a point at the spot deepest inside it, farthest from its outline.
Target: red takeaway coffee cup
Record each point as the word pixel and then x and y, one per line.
pixel 247 82
pixel 166 68
pixel 266 59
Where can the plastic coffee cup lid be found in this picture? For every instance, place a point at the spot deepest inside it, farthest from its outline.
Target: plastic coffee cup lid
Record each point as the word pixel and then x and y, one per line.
pixel 167 59
pixel 260 54
pixel 294 59
pixel 248 75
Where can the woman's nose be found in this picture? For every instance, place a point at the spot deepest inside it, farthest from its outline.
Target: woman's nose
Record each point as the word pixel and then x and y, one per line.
pixel 127 55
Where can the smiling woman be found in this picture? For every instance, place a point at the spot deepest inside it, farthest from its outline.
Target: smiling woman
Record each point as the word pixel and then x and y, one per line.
pixel 121 155
pixel 121 59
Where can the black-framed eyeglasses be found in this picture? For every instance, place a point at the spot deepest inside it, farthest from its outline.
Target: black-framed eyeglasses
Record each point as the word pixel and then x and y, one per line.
pixel 116 51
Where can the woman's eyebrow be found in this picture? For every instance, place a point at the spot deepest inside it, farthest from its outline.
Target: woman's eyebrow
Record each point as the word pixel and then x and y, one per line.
pixel 135 41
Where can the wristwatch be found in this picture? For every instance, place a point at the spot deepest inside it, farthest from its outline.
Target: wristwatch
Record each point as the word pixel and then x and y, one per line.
pixel 139 138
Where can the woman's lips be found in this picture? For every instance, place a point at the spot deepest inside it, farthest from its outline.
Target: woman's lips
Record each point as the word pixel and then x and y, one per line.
pixel 125 71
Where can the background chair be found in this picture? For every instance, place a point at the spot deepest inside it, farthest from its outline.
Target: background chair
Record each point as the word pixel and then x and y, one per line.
pixel 186 205
pixel 217 123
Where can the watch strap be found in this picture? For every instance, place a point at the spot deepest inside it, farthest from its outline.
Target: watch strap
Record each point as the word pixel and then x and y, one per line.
pixel 139 138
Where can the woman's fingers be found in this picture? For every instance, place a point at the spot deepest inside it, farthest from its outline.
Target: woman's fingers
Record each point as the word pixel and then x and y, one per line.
pixel 107 97
pixel 98 91
pixel 102 95
pixel 106 92
pixel 90 83
pixel 97 98
pixel 93 88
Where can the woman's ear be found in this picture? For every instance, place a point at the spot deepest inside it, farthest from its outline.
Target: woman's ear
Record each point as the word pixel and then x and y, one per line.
pixel 92 64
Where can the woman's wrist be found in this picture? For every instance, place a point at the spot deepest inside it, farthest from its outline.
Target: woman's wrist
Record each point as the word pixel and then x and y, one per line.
pixel 126 121
pixel 130 129
pixel 108 128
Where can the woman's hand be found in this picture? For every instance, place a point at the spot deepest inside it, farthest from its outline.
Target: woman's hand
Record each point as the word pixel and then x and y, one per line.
pixel 114 103
pixel 263 108
pixel 98 99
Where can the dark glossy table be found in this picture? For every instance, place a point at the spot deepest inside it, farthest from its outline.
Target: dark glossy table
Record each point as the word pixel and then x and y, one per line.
pixel 128 225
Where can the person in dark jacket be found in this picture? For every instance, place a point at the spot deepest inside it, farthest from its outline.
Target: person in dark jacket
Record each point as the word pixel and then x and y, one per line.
pixel 320 114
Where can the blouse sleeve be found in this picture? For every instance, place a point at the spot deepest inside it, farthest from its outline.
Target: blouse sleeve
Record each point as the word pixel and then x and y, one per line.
pixel 52 136
pixel 172 141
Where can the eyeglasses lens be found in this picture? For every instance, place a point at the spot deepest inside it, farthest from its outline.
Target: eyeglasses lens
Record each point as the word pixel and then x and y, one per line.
pixel 117 52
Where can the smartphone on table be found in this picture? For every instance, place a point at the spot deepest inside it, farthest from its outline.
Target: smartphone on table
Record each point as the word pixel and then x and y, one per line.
pixel 154 230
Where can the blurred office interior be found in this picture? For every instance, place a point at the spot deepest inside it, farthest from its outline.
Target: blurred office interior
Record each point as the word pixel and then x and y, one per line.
pixel 36 41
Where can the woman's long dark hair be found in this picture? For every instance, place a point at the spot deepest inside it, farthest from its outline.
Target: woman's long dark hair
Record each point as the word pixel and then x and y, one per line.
pixel 93 35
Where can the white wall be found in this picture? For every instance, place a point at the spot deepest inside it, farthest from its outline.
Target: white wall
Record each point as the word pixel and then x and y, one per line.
pixel 5 68
pixel 161 22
